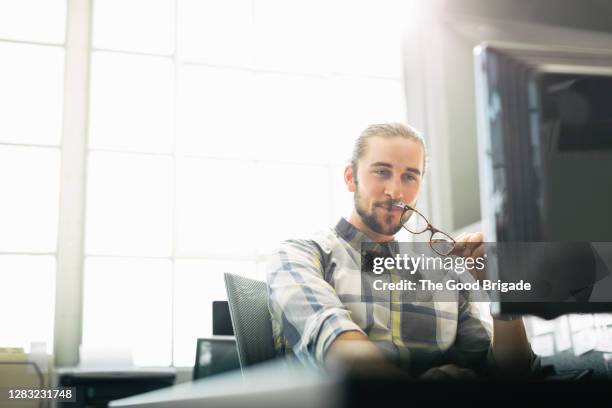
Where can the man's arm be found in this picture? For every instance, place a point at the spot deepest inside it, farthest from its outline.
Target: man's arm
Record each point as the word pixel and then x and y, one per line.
pixel 306 307
pixel 510 348
pixel 353 351
pixel 352 347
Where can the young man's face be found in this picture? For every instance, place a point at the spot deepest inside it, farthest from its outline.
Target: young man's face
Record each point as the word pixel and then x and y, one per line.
pixel 389 171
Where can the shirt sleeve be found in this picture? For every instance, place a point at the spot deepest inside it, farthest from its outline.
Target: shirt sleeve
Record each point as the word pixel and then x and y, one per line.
pixel 474 334
pixel 302 303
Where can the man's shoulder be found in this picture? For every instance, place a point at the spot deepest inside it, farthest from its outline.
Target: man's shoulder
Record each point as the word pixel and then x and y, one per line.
pixel 323 240
pixel 316 249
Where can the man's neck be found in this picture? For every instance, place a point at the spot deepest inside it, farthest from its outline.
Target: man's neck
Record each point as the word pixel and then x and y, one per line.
pixel 358 223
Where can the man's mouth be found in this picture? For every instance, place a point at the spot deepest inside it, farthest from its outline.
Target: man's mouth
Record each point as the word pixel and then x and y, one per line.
pixel 391 207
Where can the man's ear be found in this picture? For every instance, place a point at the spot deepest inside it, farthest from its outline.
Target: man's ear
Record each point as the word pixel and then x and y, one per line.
pixel 349 178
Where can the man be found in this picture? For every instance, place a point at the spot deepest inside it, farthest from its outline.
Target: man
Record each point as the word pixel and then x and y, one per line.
pixel 317 300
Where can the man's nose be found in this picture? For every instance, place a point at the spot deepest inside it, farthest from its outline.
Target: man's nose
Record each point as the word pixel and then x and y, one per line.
pixel 394 189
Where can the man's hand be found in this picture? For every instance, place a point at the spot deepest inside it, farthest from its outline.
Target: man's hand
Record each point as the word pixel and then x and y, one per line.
pixel 471 245
pixel 449 372
pixel 510 346
pixel 354 352
pixel 352 347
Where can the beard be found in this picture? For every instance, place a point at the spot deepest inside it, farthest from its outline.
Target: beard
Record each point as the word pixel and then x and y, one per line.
pixel 384 226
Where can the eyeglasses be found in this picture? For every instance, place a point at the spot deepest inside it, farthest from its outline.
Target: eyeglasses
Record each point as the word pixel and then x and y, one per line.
pixel 416 223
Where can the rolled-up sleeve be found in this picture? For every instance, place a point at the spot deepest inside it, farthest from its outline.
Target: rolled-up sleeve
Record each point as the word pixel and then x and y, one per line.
pixel 474 334
pixel 304 307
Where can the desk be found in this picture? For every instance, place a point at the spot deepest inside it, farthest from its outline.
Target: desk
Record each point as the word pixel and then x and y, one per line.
pixel 566 360
pixel 279 383
pixel 95 387
pixel 283 384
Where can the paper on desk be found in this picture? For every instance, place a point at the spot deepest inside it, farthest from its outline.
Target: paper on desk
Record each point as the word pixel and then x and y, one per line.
pixel 579 322
pixel 584 340
pixel 563 340
pixel 38 355
pixel 604 340
pixel 604 319
pixel 544 345
pixel 540 326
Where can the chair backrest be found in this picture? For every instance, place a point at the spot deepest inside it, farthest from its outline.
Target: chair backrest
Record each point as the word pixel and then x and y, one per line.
pixel 248 304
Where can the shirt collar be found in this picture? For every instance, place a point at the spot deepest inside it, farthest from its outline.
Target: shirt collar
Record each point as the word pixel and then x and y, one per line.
pixel 355 238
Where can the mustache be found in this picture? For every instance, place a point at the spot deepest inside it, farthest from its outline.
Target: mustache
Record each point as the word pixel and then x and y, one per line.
pixel 389 204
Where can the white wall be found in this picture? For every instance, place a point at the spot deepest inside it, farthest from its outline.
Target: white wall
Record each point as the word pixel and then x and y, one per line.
pixel 441 91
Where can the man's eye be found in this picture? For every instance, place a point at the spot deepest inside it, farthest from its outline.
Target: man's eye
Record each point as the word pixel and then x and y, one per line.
pixel 409 177
pixel 382 172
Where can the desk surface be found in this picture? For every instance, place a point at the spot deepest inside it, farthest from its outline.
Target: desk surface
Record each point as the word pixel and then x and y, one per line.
pixel 593 360
pixel 276 384
pixel 284 384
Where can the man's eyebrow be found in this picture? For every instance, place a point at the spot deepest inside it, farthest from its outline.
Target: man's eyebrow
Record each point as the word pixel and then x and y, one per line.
pixel 384 164
pixel 381 164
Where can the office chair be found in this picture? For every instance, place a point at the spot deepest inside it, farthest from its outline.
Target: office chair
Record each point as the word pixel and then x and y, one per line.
pixel 248 304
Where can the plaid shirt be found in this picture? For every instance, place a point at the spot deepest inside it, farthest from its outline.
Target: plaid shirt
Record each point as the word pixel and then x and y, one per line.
pixel 317 291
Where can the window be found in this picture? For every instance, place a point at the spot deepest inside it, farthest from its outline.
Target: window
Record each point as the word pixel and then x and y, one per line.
pixel 215 130
pixel 31 80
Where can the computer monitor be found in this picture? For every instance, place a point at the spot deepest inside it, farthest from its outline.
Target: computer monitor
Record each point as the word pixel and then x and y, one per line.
pixel 215 355
pixel 545 162
pixel 222 321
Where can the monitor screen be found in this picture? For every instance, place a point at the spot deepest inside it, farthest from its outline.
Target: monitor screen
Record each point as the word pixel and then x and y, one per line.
pixel 222 321
pixel 545 160
pixel 215 355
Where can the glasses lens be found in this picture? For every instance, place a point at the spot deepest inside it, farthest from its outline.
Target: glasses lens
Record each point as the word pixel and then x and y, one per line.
pixel 414 222
pixel 442 243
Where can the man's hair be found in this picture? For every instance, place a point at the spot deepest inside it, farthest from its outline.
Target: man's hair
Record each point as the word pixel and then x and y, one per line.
pixel 386 130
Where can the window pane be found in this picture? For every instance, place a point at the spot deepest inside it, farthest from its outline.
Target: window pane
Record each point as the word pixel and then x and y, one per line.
pixel 33 20
pixel 197 283
pixel 370 39
pixel 203 23
pixel 27 300
pixel 31 96
pixel 215 214
pixel 134 25
pixel 128 302
pixel 131 103
pixel 291 113
pixel 294 201
pixel 129 205
pixel 295 35
pixel 215 112
pixel 29 185
pixel 361 102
